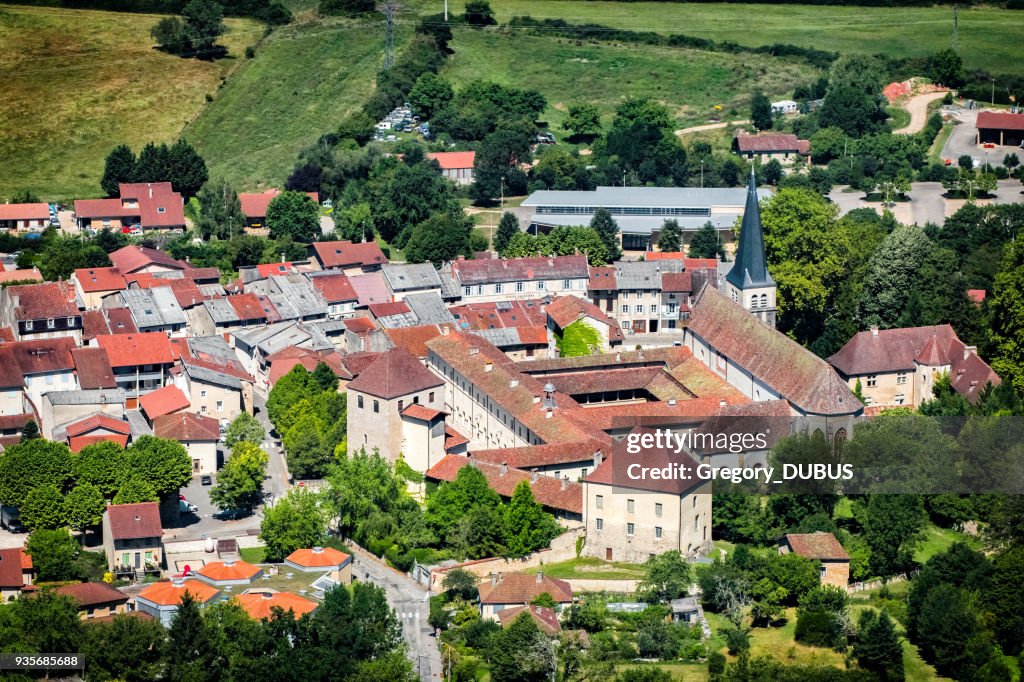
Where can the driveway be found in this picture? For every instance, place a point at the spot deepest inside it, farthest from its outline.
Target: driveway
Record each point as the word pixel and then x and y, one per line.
pixel 918 108
pixel 711 126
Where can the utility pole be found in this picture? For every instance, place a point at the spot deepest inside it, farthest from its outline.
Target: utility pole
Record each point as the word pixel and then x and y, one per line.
pixel 446 10
pixel 993 92
pixel 702 173
pixel 389 7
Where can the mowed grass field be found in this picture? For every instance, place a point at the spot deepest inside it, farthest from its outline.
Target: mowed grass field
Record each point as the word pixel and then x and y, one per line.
pixel 75 83
pixel 689 82
pixel 303 81
pixel 988 38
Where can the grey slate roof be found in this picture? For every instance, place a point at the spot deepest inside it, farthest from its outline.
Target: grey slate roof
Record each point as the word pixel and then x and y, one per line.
pixel 106 396
pixel 211 290
pixel 411 276
pixel 637 275
pixel 153 307
pixel 429 308
pixel 257 335
pixel 221 311
pixel 303 296
pixel 450 288
pixel 629 224
pixel 640 197
pixel 211 345
pixel 209 376
pixel 501 336
pixel 750 270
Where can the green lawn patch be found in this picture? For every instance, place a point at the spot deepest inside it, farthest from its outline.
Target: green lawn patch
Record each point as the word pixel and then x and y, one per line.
pixel 253 555
pixel 686 672
pixel 939 540
pixel 898 117
pixel 78 82
pixel 589 568
pixel 935 153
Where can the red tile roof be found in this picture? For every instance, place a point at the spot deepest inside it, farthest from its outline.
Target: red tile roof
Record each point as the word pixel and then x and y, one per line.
pixel 520 269
pixel 389 308
pixel 999 121
pixel 553 493
pixel 334 288
pixel 6 335
pixel 345 254
pixel 395 373
pixel 15 422
pixel 488 315
pixel 618 416
pixel 261 605
pixel 98 421
pixel 93 366
pixel 542 455
pixel 602 279
pixel 370 288
pixel 318 557
pixel 818 545
pixel 33 211
pixel 100 279
pixel 255 205
pixel 771 144
pixel 119 321
pixel 247 307
pixel 186 291
pixel 169 593
pixel 453 439
pixel 77 443
pixel 40 356
pixel 156 205
pixel 453 160
pixel 29 275
pixel 44 301
pixel 522 588
pixel 546 619
pixel 224 571
pixel 268 269
pixel 359 324
pixel 977 295
pixel 186 427
pixel 677 282
pixel 133 521
pixel 565 310
pixel 129 350
pixel 131 258
pixel 421 412
pixel 163 401
pixel 92 595
pixel 12 564
pixel 413 339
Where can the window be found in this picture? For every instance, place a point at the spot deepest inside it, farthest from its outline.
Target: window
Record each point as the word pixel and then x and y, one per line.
pixel 696 523
pixel 822 571
pixel 600 524
pixel 654 308
pixel 639 309
pixel 467 291
pixel 541 286
pixel 430 397
pixel 872 381
pixel 376 406
pixel 625 296
pixel 498 288
pixel 202 393
pixel 631 506
pixel 519 286
pixel 764 300
pixel 567 284
pixel 401 405
pixel 220 405
pixel 901 378
pixel 753 302
pixel 657 508
pixel 51 323
pixel 625 311
pixel 203 409
pixel 71 322
pixel 28 325
pixel 480 290
pixel 630 529
pixel 899 398
pixel 359 401
pixel 657 532
pixel 599 501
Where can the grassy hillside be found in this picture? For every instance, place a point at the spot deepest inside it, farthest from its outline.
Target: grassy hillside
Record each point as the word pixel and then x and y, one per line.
pixel 304 79
pixel 987 36
pixel 75 83
pixel 689 82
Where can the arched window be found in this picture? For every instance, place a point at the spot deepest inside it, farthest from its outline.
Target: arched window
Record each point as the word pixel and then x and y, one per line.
pixel 753 302
pixel 764 300
pixel 839 441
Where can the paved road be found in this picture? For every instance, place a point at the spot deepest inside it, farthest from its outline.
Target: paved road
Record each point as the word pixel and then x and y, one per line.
pixel 962 141
pixel 918 108
pixel 411 603
pixel 926 205
pixel 711 126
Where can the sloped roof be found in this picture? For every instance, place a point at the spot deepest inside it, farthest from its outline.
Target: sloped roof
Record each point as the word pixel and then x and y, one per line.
pixel 820 545
pixel 93 366
pixel 565 310
pixel 553 493
pixel 224 571
pixel 422 412
pixel 395 373
pixel 750 270
pixel 40 356
pixel 255 205
pixel 129 350
pixel 414 339
pixel 453 160
pixel 31 211
pixel 169 593
pixel 342 254
pixel 43 301
pixel 522 588
pixel 772 143
pixel 546 619
pixel 133 521
pixel 608 474
pixel 335 288
pixel 543 455
pixel 888 350
pixel 91 595
pixel 1000 121
pixel 370 288
pixel 789 369
pixel 492 270
pixel 100 279
pixel 163 401
pixel 318 557
pixel 186 427
pixel 261 604
pixel 128 259
pixel 98 421
pixel 12 563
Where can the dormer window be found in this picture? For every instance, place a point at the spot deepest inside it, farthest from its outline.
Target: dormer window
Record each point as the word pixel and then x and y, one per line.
pixel 51 323
pixel 161 209
pixel 28 325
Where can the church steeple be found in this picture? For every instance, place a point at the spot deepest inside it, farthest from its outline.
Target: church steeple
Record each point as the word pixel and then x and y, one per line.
pixel 749 283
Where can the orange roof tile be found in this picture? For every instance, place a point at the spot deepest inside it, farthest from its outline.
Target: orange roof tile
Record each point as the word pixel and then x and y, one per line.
pixel 522 588
pixel 129 350
pixel 163 401
pixel 100 279
pixel 260 605
pixel 554 493
pixel 820 545
pixel 318 557
pixel 169 593
pixel 224 571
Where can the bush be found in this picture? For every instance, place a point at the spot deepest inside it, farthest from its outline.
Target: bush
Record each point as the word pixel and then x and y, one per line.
pixel 737 640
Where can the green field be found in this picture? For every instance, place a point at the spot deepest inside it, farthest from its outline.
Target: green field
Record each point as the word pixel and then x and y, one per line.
pixel 986 35
pixel 75 83
pixel 588 568
pixel 302 82
pixel 689 82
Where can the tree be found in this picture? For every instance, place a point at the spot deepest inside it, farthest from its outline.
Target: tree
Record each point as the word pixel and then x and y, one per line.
pixel 295 215
pixel 528 527
pixel 670 238
pixel 430 93
pixel 496 168
pixel 203 24
pixel 508 227
pixel 83 506
pixel 772 172
pixel 220 211
pixel 583 120
pixel 289 390
pixel 946 68
pixel 43 508
pixel 45 622
pixel 136 489
pixel 163 463
pixel 119 167
pixel 154 164
pixel 878 647
pixel 189 652
pixel 479 13
pixel 460 583
pixel 169 34
pixel 440 238
pixel 1006 335
pixel 103 465
pixel 608 230
pixel 891 275
pixel 892 530
pixel 33 464
pixel 138 656
pixel 294 522
pixel 706 243
pixel 325 378
pixel 187 170
pixel 348 7
pixel 453 500
pixel 822 617
pixel 244 427
pixel 855 112
pixel 761 111
pixel 30 430
pixel 666 577
pixel 521 652
pixel 240 481
pixel 53 553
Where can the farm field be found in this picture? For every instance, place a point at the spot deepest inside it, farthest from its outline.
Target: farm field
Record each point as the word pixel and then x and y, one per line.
pixel 986 35
pixel 690 82
pixel 302 82
pixel 78 82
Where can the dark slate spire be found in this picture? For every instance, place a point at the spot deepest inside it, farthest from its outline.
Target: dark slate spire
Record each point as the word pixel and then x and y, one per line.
pixel 750 270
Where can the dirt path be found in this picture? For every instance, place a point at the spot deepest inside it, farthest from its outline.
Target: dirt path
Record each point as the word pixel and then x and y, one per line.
pixel 710 126
pixel 918 108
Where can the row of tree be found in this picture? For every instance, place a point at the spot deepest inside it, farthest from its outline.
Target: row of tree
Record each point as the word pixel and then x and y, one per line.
pixel 178 164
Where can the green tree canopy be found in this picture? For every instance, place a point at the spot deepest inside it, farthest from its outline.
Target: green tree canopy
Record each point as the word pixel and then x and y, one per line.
pixel 583 120
pixel 294 522
pixel 670 238
pixel 508 227
pixel 666 577
pixel 240 481
pixel 220 211
pixel 454 499
pixel 43 507
pixel 706 243
pixel 53 553
pixel 103 465
pixel 608 230
pixel 430 93
pixel 32 464
pixel 84 506
pixel 761 111
pixel 119 167
pixel 295 215
pixel 528 527
pixel 134 490
pixel 441 237
pixel 162 463
pixel 244 428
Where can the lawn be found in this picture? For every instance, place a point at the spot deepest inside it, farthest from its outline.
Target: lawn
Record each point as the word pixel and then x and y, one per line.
pixel 253 555
pixel 938 540
pixel 986 35
pixel 898 117
pixel 686 672
pixel 303 81
pixel 76 83
pixel 689 82
pixel 588 568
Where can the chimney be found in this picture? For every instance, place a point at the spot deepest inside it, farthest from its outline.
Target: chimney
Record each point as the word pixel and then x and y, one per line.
pixel 565 482
pixel 618 357
pixel 229 562
pixel 178 582
pixel 721 402
pixel 598 458
pixel 549 396
pixel 504 468
pixel 495 578
pixel 536 399
pixel 672 402
pixel 540 576
pixel 268 595
pixel 318 550
pixel 512 383
pixel 488 366
pixel 968 350
pixel 533 475
pixel 548 413
pixel 874 330
pixel 444 330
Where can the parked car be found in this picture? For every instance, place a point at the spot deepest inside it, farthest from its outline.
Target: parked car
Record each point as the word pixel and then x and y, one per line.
pixel 205 479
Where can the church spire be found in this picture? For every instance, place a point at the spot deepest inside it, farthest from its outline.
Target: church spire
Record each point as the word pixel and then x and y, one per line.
pixel 750 270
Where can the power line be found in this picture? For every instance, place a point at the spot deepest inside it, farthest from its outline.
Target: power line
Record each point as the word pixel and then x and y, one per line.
pixel 389 7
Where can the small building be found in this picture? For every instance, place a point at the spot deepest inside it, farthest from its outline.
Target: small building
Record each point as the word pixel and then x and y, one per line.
pixel 92 285
pixel 163 401
pixel 337 292
pixel 41 311
pixel 148 205
pixel 95 600
pixel 15 572
pixel 161 600
pixel 134 259
pixel 567 310
pixel 785 106
pixel 65 407
pixel 322 560
pixel 456 166
pixel 24 217
pixel 1000 128
pixel 97 428
pixel 224 573
pixel 254 208
pixel 685 609
pixel 197 433
pixel 260 603
pixel 132 538
pixel 140 362
pixel 823 547
pixel 349 257
pixel 778 146
pixel 546 618
pixel 508 590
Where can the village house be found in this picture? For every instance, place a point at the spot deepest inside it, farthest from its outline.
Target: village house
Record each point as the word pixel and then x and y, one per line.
pixel 34 217
pixel 900 366
pixel 140 362
pixel 132 538
pixel 16 573
pixel 152 310
pixel 456 166
pixel 96 428
pixel 328 560
pixel 508 590
pixel 783 147
pixel 410 278
pixel 161 600
pixel 254 208
pixel 134 259
pixel 95 600
pixel 59 408
pixel 222 391
pixel 337 293
pixel 45 365
pixel 348 257
pixel 197 433
pixel 92 285
pixel 824 548
pixel 163 401
pixel 41 311
pixel 545 618
pixel 239 311
pixel 509 279
pixel 149 205
pixel 568 310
